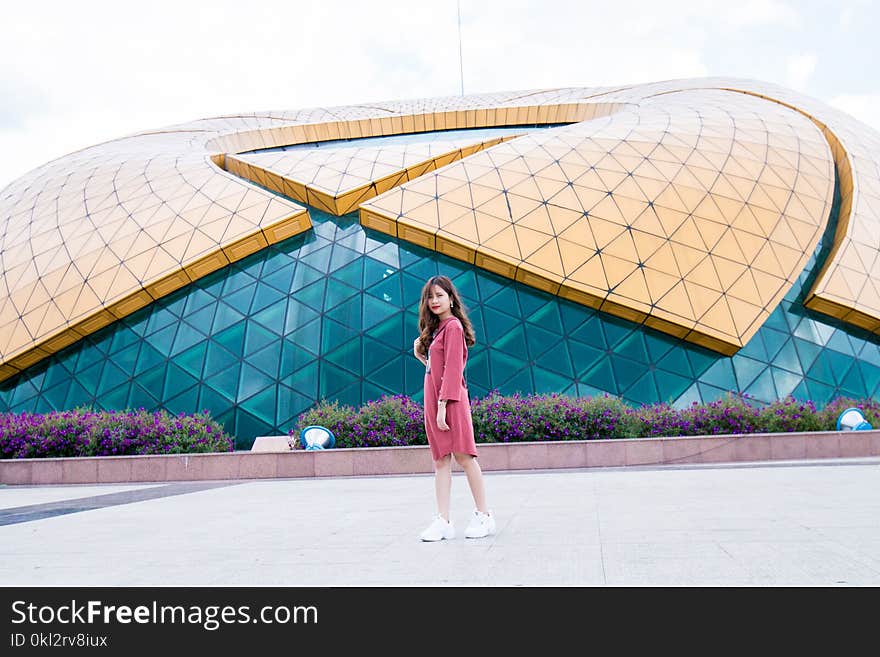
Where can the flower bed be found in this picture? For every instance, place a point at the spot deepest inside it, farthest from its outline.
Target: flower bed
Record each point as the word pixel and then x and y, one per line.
pixel 108 433
pixel 398 420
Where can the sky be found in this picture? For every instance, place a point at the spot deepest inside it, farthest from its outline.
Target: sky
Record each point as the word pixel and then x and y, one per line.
pixel 74 74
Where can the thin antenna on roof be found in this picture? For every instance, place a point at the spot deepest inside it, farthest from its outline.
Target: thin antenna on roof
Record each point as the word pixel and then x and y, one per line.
pixel 460 61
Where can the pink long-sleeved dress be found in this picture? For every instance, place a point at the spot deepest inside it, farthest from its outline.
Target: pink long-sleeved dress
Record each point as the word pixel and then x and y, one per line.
pixel 444 379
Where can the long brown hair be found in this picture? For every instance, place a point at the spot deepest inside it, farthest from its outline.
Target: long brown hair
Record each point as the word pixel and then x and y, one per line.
pixel 429 322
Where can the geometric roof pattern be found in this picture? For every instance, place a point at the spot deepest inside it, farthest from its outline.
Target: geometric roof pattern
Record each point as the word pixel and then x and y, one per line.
pixel 326 314
pixel 338 176
pixel 91 237
pixel 94 236
pixel 692 213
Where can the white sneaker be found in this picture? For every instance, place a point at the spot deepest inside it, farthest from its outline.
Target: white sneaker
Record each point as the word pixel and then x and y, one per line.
pixel 438 530
pixel 481 525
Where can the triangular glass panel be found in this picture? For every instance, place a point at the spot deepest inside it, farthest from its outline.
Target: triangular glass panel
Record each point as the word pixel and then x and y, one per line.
pixel 773 341
pixel 547 381
pixel 820 371
pixel 263 405
pixel 290 405
pixel 676 360
pixel 348 356
pixel 521 382
pixel 187 336
pixel 601 376
pixel 252 381
pixel 548 318
pixel 390 377
pixel 670 386
pixel 196 299
pixel 332 380
pixel 839 363
pixel 313 295
pixel 303 277
pixel 232 338
pixel 616 330
pixel 185 402
pixel 126 359
pixel 502 366
pixel 56 395
pixel 633 347
pixel 539 340
pixel 643 391
pixel 529 301
pixel 377 353
pixel 224 317
pixel 114 400
pixel 140 397
pixel 257 337
pixel 820 393
pixel 477 369
pixel 267 360
pixel 747 369
pixel 247 428
pixel 348 313
pixel 265 296
pixel 591 333
pixel 787 358
pixel 163 339
pixel 871 376
pixel 853 384
pixel 390 290
pixel 176 381
pixel 784 381
pixel 226 382
pixel 305 381
pixel 701 360
pixel 557 360
pixel 203 318
pixel 281 280
pixel 513 341
pixel 123 337
pixel 77 396
pixel 241 299
pixel 807 352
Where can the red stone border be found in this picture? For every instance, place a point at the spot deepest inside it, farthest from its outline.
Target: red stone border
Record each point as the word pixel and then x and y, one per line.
pixel 414 460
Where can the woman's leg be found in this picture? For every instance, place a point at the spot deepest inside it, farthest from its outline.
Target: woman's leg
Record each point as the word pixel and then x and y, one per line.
pixel 475 479
pixel 443 484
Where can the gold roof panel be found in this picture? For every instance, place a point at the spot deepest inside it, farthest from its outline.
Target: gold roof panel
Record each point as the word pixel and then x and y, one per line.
pixel 689 205
pixel 587 210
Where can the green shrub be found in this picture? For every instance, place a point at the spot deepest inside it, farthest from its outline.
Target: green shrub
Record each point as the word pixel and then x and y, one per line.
pixel 789 415
pixel 339 419
pixel 551 417
pixel 83 432
pixel 389 421
pixel 870 409
pixel 730 414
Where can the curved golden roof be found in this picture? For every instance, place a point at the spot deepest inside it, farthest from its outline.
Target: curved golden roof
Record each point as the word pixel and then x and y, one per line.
pixel 692 212
pixel 690 205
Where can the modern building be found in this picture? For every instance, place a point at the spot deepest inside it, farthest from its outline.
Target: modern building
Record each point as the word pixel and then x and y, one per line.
pixel 662 242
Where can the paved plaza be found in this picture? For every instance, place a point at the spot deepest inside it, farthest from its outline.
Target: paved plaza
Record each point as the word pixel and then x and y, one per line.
pixel 790 523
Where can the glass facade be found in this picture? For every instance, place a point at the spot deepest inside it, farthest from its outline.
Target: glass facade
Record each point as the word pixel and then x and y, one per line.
pixel 332 314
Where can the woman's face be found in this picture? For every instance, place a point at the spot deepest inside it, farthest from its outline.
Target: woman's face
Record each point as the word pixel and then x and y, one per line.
pixel 438 300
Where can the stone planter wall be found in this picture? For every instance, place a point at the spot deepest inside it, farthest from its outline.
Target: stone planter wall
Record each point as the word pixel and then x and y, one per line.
pixel 414 460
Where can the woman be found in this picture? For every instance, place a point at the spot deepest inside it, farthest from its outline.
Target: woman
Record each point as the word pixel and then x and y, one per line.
pixel 446 333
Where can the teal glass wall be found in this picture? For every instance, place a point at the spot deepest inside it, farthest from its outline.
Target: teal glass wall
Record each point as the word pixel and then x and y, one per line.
pixel 332 314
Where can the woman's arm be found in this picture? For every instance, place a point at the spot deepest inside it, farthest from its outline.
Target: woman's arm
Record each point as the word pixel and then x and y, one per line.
pixel 417 346
pixel 453 367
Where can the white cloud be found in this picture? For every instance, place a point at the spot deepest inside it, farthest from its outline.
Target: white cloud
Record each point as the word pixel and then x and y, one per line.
pixel 754 13
pixel 799 70
pixel 864 107
pixel 85 72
